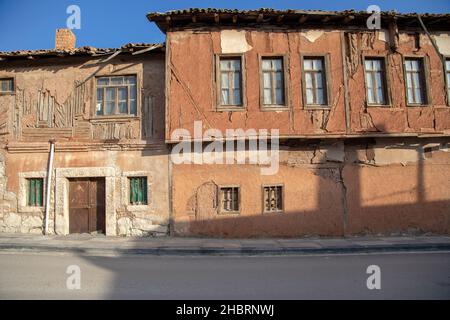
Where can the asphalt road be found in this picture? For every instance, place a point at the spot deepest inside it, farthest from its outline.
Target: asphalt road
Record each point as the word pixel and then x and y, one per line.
pixel 403 276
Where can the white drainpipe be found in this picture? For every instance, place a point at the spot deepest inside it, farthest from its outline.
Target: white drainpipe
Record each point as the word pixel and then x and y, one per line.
pixel 49 182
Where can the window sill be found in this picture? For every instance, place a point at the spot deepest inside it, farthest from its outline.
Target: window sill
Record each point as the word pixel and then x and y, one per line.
pixel 275 108
pixel 231 108
pixel 138 207
pixel 7 93
pixel 29 209
pixel 225 213
pixel 418 105
pixel 273 212
pixel 378 106
pixel 114 118
pixel 317 107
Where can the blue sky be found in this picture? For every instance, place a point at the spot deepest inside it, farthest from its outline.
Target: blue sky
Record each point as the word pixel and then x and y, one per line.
pixel 30 24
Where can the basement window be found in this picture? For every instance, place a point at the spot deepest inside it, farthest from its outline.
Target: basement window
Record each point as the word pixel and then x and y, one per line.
pixel 415 82
pixel 273 198
pixel 229 199
pixel 6 86
pixel 138 190
pixel 35 192
pixel 116 96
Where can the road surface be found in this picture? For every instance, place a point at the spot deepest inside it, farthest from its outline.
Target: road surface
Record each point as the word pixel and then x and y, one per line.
pixel 403 276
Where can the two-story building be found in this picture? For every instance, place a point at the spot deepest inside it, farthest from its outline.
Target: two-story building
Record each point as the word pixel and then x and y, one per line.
pixel 87 125
pixel 363 118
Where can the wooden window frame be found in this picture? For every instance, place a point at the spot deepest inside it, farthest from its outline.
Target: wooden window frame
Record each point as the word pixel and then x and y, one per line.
pixel 274 107
pixel 425 72
pixel 219 200
pixel 4 93
pixel 116 115
pixel 130 178
pixel 386 80
pixel 326 60
pixel 230 107
pixel 264 211
pixel 28 193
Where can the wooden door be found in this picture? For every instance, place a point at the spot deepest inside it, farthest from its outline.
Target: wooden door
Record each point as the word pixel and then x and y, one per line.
pixel 87 205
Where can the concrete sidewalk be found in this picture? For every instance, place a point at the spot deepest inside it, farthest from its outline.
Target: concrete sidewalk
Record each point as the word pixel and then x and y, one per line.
pixel 101 245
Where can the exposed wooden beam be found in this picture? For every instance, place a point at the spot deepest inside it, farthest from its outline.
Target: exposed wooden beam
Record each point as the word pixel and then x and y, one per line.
pixel 280 18
pixel 235 18
pixel 194 19
pixel 216 18
pixel 260 17
pixel 303 19
pixel 326 19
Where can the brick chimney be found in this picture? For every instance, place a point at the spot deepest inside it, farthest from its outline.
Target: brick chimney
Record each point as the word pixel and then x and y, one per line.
pixel 64 39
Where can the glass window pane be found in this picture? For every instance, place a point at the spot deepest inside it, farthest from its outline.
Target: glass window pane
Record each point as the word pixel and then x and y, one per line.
pixel 123 94
pixel 307 64
pixel 99 94
pixel 279 80
pixel 236 64
pixel 99 109
pixel 309 96
pixel 320 96
pixel 267 81
pixel 266 64
pixel 131 80
pixel 224 80
pixel 279 96
pixel 278 64
pixel 317 64
pixel 224 65
pixel 225 96
pixel 110 94
pixel 267 96
pixel 133 92
pixel 319 80
pixel 109 107
pixel 116 80
pixel 308 80
pixel 123 107
pixel 237 80
pixel 133 107
pixel 237 97
pixel 410 95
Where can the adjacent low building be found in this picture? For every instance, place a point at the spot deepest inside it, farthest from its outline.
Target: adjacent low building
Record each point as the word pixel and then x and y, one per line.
pixel 103 112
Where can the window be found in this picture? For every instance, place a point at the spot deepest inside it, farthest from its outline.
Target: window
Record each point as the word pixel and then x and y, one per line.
pixel 375 81
pixel 415 81
pixel 35 189
pixel 273 81
pixel 229 198
pixel 138 190
pixel 230 81
pixel 315 88
pixel 447 73
pixel 7 85
pixel 273 198
pixel 116 96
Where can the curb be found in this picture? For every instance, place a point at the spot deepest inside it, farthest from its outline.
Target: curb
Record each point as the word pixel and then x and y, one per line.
pixel 248 251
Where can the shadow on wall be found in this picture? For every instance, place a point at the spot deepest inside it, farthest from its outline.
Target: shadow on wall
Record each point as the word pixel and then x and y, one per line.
pixel 351 199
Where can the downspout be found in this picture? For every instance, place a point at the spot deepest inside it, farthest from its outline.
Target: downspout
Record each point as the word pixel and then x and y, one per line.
pixel 49 181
